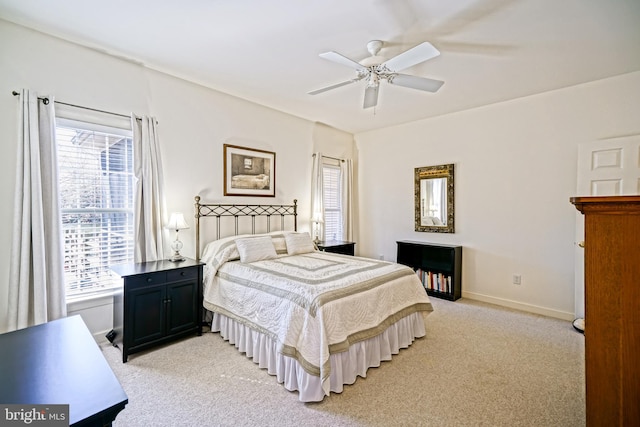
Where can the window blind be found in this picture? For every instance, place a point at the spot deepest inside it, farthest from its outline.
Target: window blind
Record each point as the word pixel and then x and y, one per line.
pixel 96 201
pixel 332 202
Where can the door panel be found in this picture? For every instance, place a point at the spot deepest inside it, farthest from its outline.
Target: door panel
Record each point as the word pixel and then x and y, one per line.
pixel 147 308
pixel 182 307
pixel 608 167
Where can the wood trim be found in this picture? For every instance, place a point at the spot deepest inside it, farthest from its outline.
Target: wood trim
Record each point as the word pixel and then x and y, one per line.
pixel 627 205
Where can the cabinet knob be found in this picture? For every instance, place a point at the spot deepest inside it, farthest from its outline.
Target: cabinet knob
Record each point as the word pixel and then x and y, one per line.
pixel 182 273
pixel 149 280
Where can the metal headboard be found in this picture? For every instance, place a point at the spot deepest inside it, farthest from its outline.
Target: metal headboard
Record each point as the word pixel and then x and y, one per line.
pixel 238 211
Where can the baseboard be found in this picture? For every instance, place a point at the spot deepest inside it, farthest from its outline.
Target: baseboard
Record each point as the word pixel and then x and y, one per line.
pixel 101 337
pixel 563 315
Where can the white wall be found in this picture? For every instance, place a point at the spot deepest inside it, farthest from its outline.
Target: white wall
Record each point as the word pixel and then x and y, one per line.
pixel 515 163
pixel 194 123
pixel 515 171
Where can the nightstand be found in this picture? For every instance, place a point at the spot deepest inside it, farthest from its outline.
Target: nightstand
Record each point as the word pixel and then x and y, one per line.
pixel 337 247
pixel 159 302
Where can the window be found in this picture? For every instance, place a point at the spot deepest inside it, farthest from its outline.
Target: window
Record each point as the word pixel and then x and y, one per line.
pixel 332 199
pixel 96 185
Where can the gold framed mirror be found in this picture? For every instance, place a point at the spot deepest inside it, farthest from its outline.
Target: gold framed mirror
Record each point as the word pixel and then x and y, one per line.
pixel 434 199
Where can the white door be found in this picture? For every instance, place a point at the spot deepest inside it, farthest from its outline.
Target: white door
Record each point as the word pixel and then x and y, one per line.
pixel 608 167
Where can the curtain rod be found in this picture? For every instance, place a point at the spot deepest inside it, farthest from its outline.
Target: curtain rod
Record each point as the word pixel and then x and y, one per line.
pixel 329 157
pixel 46 101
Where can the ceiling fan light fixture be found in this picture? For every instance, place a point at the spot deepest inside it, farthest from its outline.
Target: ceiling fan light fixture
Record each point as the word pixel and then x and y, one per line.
pixel 374 80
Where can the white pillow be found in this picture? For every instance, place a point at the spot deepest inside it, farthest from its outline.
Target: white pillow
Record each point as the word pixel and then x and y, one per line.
pixel 299 243
pixel 277 237
pixel 437 221
pixel 255 249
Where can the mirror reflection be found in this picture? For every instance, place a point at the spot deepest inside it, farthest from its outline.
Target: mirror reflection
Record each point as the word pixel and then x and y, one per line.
pixel 433 201
pixel 434 197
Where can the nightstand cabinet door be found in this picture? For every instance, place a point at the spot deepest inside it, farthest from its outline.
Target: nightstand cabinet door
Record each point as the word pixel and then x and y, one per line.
pixel 145 315
pixel 182 297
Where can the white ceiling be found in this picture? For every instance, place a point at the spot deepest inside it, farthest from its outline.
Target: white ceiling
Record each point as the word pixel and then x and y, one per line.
pixel 267 51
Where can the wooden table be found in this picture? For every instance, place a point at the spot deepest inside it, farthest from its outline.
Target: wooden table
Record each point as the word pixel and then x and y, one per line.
pixel 60 363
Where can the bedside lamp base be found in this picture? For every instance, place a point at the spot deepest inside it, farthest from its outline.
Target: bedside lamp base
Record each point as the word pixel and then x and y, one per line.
pixel 177 257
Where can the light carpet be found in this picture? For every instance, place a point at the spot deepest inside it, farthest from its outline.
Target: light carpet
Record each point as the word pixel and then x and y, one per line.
pixel 479 365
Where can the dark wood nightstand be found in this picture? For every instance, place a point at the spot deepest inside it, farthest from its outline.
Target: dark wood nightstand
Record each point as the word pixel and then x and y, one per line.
pixel 160 301
pixel 337 247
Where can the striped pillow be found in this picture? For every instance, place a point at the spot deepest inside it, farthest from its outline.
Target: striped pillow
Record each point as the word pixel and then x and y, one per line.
pixel 255 249
pixel 299 243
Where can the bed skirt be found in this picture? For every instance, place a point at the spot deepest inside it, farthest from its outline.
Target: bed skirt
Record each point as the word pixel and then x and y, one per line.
pixel 345 366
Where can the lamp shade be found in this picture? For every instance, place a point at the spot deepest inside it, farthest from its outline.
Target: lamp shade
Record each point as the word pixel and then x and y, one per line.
pixel 177 222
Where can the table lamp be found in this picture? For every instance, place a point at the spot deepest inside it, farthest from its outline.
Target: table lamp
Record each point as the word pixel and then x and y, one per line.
pixel 317 220
pixel 176 222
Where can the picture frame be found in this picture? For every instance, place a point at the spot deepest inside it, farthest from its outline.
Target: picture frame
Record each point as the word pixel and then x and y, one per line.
pixel 249 171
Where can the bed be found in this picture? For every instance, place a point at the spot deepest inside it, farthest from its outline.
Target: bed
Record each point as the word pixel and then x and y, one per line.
pixel 313 319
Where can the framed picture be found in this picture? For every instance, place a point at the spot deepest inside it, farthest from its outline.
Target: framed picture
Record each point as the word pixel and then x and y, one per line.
pixel 249 172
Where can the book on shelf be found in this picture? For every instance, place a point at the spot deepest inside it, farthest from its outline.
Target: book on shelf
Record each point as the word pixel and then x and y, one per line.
pixel 432 281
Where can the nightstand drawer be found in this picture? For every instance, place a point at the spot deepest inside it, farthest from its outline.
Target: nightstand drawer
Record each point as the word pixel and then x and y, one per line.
pixel 147 279
pixel 182 274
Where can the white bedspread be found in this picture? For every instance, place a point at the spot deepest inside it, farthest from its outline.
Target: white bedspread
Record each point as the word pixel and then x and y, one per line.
pixel 312 305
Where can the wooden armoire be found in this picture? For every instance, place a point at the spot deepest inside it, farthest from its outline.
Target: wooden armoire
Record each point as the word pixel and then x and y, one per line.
pixel 612 308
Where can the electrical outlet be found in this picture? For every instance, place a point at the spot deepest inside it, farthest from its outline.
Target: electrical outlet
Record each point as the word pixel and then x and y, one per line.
pixel 517 279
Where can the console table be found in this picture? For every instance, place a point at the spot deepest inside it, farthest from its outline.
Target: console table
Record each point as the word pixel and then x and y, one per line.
pixel 60 363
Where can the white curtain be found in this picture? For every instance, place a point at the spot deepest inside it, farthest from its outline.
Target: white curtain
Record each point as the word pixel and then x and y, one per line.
pixel 36 277
pixel 150 203
pixel 317 193
pixel 346 173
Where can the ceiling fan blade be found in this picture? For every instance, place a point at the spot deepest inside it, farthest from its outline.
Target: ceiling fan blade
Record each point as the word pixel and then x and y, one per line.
pixel 341 59
pixel 324 89
pixel 414 82
pixel 411 57
pixel 371 96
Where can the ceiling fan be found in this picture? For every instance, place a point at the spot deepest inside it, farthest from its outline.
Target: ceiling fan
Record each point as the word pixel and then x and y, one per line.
pixel 375 68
